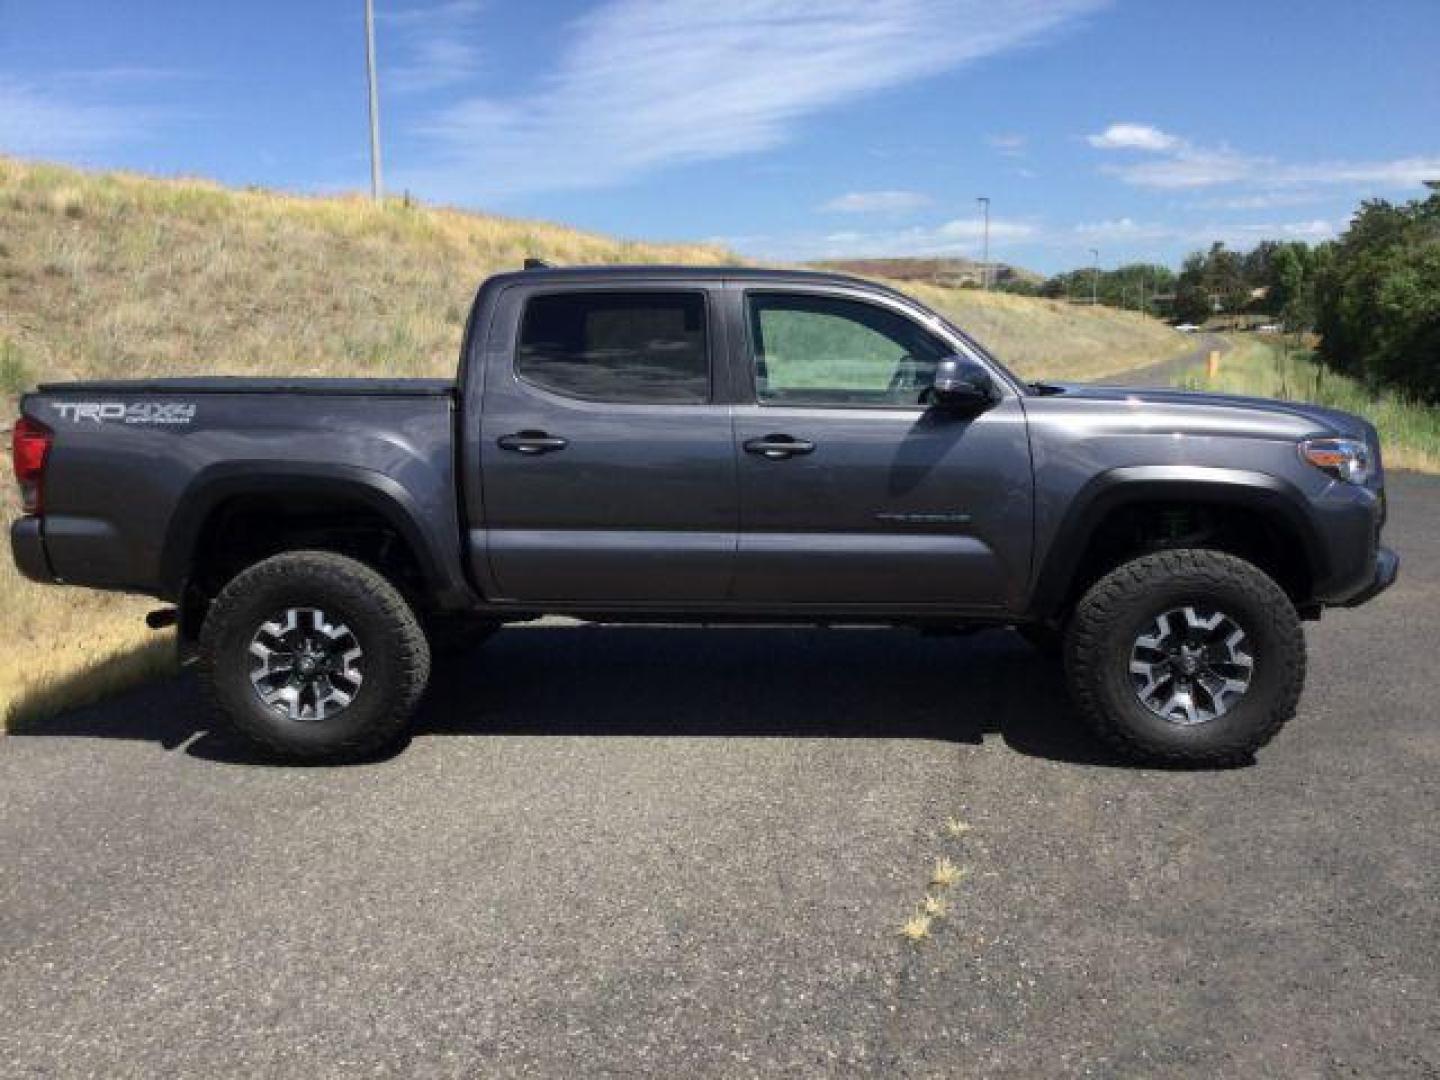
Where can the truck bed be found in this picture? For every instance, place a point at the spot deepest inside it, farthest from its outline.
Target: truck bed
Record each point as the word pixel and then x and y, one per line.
pixel 137 470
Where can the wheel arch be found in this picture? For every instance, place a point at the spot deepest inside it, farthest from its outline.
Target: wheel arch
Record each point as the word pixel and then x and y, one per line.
pixel 375 493
pixel 1267 499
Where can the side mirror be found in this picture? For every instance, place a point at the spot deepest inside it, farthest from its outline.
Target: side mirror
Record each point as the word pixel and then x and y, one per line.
pixel 962 385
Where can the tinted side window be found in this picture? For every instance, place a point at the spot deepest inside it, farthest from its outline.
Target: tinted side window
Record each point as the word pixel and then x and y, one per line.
pixel 645 347
pixel 824 350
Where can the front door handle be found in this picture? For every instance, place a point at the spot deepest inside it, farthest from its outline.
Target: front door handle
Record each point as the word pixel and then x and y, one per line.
pixel 778 447
pixel 532 442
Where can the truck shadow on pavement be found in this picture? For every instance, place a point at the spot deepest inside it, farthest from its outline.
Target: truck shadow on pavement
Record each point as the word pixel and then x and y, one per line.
pixel 693 682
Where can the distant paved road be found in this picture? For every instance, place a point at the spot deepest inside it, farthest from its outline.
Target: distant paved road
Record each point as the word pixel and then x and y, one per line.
pixel 686 852
pixel 1169 372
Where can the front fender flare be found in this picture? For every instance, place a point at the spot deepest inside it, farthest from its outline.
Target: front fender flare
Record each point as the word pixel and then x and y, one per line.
pixel 1276 499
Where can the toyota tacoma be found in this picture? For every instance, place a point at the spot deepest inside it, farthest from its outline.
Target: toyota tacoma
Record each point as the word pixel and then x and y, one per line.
pixel 684 444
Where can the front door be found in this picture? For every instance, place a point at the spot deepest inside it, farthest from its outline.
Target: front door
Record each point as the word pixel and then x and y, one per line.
pixel 853 491
pixel 608 473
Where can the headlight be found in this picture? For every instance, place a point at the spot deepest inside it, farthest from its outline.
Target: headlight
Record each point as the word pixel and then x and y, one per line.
pixel 1344 459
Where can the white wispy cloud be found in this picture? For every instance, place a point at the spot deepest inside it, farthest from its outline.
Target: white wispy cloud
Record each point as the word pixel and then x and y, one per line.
pixel 435 46
pixel 1266 200
pixel 1009 145
pixel 1016 239
pixel 962 236
pixel 1194 167
pixel 1178 163
pixel 1189 167
pixel 1411 172
pixel 1126 136
pixel 876 202
pixel 642 84
pixel 968 230
pixel 37 122
pixel 1128 231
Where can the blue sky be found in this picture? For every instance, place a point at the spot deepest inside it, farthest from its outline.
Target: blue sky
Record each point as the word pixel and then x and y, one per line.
pixel 786 128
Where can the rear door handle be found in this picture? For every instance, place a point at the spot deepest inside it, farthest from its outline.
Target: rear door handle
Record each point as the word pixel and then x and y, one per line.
pixel 778 447
pixel 532 442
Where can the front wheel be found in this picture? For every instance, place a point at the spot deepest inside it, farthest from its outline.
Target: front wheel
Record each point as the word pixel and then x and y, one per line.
pixel 315 656
pixel 1186 657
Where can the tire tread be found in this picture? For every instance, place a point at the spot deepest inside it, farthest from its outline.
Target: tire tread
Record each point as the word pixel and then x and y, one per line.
pixel 1107 599
pixel 341 572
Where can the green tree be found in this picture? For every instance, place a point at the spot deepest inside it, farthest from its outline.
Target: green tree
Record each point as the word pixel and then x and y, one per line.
pixel 1192 299
pixel 1224 279
pixel 1291 269
pixel 1377 296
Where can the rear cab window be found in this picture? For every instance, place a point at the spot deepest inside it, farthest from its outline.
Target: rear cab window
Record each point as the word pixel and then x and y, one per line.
pixel 638 347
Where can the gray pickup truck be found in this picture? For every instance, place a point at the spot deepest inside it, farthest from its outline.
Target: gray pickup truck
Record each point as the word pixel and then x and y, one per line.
pixel 673 444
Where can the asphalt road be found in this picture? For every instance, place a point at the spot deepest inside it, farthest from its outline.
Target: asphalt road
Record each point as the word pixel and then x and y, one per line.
pixel 1168 372
pixel 687 852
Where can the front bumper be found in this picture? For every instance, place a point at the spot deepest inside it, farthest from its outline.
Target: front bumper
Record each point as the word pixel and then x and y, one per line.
pixel 27 544
pixel 1387 566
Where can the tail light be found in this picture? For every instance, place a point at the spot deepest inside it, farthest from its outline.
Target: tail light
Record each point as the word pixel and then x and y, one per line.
pixel 30 446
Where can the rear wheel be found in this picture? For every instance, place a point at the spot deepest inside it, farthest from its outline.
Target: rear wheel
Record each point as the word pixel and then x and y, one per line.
pixel 315 656
pixel 1186 657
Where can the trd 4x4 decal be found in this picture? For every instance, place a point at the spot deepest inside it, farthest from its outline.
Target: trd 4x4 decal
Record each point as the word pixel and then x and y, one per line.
pixel 135 412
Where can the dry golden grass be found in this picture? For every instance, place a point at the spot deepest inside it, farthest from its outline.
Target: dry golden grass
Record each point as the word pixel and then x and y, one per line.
pixel 119 275
pixel 956 828
pixel 64 649
pixel 1050 339
pixel 116 275
pixel 916 927
pixel 945 874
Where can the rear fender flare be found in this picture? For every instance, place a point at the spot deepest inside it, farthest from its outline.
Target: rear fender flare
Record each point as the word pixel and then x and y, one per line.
pixel 214 486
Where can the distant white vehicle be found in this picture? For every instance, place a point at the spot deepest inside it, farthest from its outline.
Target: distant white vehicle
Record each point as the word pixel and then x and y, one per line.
pixel 1270 328
pixel 1187 327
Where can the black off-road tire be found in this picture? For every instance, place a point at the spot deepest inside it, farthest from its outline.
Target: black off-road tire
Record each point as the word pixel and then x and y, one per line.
pixel 396 655
pixel 1100 636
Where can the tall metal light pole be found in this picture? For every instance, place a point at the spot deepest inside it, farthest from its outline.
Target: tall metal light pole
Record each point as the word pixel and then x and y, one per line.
pixel 984 201
pixel 1094 277
pixel 377 191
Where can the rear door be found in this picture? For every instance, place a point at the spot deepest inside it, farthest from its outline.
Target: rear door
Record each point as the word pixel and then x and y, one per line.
pixel 608 471
pixel 853 491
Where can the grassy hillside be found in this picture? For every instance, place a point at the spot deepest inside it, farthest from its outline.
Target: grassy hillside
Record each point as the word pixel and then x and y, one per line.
pixel 118 275
pixel 1050 339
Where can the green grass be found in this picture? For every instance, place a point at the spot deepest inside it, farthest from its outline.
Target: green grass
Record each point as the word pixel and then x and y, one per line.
pixel 1409 431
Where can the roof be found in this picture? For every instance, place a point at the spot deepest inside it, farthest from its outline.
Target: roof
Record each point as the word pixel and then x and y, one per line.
pixel 555 274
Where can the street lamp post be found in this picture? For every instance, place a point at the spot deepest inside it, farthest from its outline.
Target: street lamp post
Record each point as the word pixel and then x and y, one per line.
pixel 376 189
pixel 984 201
pixel 1094 277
